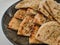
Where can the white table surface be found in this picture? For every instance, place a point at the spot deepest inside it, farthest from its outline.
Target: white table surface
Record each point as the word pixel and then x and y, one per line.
pixel 4 5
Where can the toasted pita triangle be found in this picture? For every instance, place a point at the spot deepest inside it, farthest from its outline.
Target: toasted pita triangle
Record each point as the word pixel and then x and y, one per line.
pixel 48 32
pixel 25 27
pixel 14 24
pixel 43 10
pixel 47 8
pixel 32 39
pixel 28 3
pixel 39 19
pixel 54 9
pixel 20 14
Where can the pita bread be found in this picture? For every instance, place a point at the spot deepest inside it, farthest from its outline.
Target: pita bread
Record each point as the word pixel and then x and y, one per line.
pixel 50 33
pixel 28 3
pixel 49 28
pixel 54 9
pixel 43 10
pixel 47 7
pixel 39 19
pixel 31 12
pixel 32 39
pixel 20 14
pixel 14 24
pixel 26 26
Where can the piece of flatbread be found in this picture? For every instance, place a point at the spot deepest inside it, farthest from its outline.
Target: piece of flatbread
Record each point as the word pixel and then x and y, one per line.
pixel 32 39
pixel 26 26
pixel 31 12
pixel 20 14
pixel 28 4
pixel 47 8
pixel 43 10
pixel 39 19
pixel 48 32
pixel 46 29
pixel 54 7
pixel 14 24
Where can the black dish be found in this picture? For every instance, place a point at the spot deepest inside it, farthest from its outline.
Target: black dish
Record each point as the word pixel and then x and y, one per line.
pixel 10 34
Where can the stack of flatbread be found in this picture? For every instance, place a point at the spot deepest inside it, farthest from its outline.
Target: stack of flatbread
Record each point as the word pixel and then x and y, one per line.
pixel 39 20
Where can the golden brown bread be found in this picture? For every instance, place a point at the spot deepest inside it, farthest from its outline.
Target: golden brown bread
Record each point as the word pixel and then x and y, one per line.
pixel 43 10
pixel 26 26
pixel 32 39
pixel 48 32
pixel 28 4
pixel 14 24
pixel 39 19
pixel 54 7
pixel 20 14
